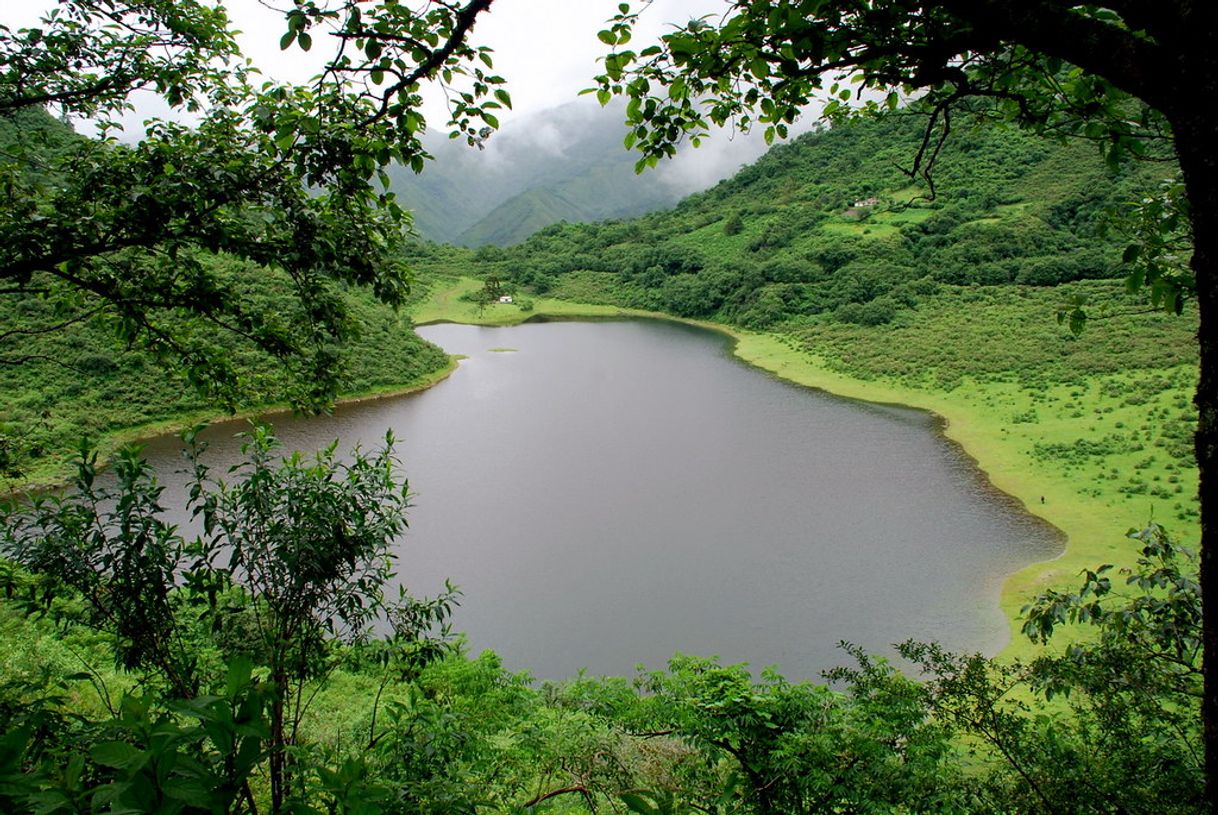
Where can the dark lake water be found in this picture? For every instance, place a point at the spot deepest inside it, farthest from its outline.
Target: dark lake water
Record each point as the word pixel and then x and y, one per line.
pixel 607 494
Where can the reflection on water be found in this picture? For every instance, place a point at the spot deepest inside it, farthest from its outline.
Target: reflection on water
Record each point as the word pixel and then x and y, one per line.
pixel 611 493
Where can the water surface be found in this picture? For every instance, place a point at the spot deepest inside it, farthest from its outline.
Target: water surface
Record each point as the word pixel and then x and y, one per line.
pixel 607 494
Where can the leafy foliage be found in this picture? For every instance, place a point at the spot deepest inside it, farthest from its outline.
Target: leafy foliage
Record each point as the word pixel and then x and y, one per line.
pixel 1132 739
pixel 278 176
pixel 75 382
pixel 291 562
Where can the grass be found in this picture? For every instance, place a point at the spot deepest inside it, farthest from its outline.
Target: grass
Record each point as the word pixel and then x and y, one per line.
pixel 870 228
pixel 909 215
pixel 443 304
pixel 713 240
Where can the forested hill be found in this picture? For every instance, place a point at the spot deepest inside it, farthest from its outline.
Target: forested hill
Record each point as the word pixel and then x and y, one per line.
pixel 68 370
pixel 830 227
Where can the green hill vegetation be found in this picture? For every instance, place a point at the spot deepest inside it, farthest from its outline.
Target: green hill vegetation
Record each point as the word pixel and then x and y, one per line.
pixel 831 226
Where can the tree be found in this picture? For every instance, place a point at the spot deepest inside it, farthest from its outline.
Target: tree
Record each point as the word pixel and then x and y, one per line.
pixel 1125 73
pixel 803 748
pixel 294 557
pixel 283 177
pixel 1131 741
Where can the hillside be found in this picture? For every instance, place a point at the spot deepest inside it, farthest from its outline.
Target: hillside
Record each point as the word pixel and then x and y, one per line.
pixel 784 242
pixel 67 374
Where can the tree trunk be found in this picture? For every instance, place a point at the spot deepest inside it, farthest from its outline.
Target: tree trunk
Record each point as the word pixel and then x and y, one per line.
pixel 278 745
pixel 1196 132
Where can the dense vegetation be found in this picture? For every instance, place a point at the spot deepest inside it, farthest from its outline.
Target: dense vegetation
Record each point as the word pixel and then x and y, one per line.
pixel 830 226
pixel 79 383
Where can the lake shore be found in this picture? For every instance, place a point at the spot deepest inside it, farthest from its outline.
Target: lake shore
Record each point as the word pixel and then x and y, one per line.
pixel 51 477
pixel 1093 529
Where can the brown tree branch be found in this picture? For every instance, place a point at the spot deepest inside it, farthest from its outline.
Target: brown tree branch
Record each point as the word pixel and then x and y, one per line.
pixel 576 788
pixel 465 19
pixel 1138 66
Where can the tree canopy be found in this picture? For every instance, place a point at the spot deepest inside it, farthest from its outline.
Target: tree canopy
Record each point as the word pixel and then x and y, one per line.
pixel 287 178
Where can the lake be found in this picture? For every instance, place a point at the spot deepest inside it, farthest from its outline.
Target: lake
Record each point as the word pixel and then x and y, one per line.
pixel 609 493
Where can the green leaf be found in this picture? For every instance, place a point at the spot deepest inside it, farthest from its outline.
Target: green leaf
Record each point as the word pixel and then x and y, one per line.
pixel 190 791
pixel 637 803
pixel 239 672
pixel 119 755
pixel 285 42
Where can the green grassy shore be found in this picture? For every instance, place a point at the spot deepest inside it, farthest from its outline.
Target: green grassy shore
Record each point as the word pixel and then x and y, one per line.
pixel 1024 440
pixel 55 471
pixel 1012 433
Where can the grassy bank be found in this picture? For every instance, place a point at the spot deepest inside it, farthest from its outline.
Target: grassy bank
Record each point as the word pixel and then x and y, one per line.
pixel 444 303
pixel 54 471
pixel 1093 456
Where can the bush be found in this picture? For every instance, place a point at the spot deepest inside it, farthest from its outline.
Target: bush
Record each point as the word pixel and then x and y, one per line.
pixel 876 312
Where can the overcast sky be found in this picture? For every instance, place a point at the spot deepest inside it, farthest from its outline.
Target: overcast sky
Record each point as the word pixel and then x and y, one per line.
pixel 546 49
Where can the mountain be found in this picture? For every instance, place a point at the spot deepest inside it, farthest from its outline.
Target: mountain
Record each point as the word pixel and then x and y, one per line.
pixel 562 164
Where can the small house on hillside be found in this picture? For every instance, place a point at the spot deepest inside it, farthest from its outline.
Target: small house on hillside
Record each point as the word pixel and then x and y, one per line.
pixel 861 208
pixel 507 298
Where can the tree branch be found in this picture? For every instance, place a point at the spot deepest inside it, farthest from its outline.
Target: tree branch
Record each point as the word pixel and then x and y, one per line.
pixel 1138 66
pixel 579 788
pixel 464 23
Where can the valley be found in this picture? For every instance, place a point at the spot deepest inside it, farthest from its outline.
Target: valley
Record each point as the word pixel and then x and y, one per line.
pixel 381 442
